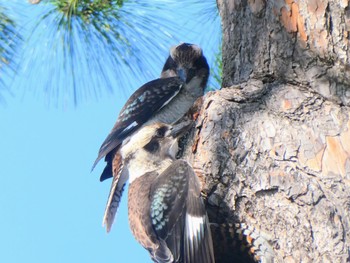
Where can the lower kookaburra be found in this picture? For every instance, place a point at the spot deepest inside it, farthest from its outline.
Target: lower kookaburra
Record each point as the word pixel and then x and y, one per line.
pixel 167 99
pixel 166 213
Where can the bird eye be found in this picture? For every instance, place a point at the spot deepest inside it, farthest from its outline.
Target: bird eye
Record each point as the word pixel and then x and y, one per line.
pixel 161 132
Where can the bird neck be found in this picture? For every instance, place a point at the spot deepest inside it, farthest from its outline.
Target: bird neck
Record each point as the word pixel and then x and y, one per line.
pixel 139 168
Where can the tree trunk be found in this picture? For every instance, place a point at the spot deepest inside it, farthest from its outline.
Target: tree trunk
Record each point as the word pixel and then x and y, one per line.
pixel 273 146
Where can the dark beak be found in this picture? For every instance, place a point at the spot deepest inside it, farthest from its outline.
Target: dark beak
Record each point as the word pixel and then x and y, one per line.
pixel 182 74
pixel 186 74
pixel 181 128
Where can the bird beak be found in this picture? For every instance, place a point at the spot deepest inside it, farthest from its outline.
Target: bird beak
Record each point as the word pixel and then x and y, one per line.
pixel 182 74
pixel 181 128
pixel 186 75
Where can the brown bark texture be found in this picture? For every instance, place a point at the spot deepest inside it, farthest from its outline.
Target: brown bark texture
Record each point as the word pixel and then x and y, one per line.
pixel 272 147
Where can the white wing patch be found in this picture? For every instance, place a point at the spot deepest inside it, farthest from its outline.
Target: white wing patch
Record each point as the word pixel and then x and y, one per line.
pixel 130 126
pixel 195 226
pixel 171 98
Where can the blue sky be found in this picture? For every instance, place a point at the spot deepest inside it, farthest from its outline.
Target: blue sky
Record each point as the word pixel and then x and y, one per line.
pixel 51 205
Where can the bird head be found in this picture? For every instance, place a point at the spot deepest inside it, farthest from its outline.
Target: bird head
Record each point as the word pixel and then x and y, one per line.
pixel 185 54
pixel 186 61
pixel 153 147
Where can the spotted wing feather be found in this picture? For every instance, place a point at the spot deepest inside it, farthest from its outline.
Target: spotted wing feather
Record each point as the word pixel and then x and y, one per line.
pixel 178 214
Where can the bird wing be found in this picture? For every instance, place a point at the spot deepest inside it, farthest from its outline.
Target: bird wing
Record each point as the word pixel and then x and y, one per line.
pixel 168 209
pixel 119 180
pixel 139 108
pixel 108 170
pixel 198 245
pixel 178 214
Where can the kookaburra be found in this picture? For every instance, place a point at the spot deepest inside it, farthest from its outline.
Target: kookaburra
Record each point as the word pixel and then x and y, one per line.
pixel 166 212
pixel 167 99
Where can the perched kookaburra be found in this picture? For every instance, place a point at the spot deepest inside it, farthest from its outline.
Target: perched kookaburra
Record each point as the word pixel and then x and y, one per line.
pixel 166 213
pixel 167 99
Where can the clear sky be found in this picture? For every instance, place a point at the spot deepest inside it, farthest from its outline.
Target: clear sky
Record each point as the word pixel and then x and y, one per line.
pixel 51 206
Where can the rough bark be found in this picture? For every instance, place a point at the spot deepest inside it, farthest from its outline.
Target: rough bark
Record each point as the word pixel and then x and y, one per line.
pixel 273 146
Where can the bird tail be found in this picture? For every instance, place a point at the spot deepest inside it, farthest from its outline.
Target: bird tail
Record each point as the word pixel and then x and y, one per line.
pixel 242 242
pixel 114 198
